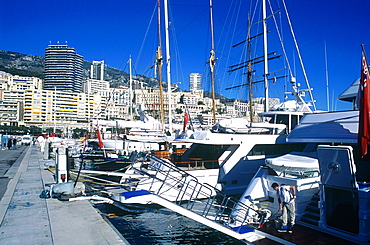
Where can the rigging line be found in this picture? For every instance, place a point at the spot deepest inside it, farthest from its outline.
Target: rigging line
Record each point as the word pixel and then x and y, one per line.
pixel 259 23
pixel 146 34
pixel 176 56
pixel 132 44
pixel 233 37
pixel 285 63
pixel 300 57
pixel 191 22
pixel 225 30
pixel 281 41
pixel 100 105
pixel 146 71
pixel 285 60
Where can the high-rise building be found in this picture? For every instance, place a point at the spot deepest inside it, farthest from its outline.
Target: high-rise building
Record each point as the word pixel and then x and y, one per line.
pixel 195 81
pixel 63 69
pixel 97 70
pixel 92 86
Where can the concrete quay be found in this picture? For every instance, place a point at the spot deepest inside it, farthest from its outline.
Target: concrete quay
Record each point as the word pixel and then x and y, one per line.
pixel 25 218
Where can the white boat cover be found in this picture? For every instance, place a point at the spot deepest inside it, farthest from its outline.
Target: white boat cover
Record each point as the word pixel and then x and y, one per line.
pixel 295 162
pixel 329 127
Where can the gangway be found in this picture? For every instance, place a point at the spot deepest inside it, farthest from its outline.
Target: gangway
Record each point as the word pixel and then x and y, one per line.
pixel 200 202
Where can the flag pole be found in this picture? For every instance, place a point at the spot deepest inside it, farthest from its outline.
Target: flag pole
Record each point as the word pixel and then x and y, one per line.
pixel 364 107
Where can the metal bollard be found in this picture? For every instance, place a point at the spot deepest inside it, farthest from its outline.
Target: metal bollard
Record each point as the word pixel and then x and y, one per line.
pixel 46 150
pixel 61 165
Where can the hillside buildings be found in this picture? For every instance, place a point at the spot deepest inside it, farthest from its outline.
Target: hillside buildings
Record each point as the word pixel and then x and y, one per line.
pixel 23 101
pixel 65 97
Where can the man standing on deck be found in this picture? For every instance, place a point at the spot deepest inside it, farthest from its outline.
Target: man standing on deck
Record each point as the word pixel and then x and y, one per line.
pixel 286 195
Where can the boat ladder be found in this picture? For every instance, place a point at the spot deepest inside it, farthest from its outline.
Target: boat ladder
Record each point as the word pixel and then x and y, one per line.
pixel 200 202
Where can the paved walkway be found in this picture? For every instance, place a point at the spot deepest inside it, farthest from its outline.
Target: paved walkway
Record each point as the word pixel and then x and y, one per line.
pixel 28 219
pixel 8 158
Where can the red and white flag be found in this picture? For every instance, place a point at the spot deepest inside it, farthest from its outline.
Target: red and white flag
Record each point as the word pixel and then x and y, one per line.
pixel 364 107
pixel 100 138
pixel 186 120
pixel 85 142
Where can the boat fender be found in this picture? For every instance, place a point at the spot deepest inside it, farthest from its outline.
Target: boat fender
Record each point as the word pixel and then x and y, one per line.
pixel 66 188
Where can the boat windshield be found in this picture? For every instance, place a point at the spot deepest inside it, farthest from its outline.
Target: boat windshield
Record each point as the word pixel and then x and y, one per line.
pixel 275 149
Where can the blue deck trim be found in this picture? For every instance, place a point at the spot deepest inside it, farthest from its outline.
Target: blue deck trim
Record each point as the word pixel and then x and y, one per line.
pixel 243 229
pixel 129 194
pixel 364 186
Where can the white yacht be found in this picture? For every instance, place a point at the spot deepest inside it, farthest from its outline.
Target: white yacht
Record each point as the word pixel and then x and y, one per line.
pixel 331 179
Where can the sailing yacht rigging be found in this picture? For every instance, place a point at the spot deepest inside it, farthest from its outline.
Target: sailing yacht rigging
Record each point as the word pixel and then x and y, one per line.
pixel 291 111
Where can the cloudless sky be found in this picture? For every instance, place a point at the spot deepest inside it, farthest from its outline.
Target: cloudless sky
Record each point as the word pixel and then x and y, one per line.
pixel 114 30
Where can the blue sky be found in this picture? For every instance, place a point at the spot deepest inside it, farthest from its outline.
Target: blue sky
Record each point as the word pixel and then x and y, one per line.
pixel 114 30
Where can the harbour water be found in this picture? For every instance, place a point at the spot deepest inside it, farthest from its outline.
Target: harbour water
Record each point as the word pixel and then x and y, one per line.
pixel 161 226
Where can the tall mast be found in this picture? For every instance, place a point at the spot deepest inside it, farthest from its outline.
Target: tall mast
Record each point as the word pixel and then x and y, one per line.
pixel 130 89
pixel 212 62
pixel 249 74
pixel 159 62
pixel 168 58
pixel 327 78
pixel 264 22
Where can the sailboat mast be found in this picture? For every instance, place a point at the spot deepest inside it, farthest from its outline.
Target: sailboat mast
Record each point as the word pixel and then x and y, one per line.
pixel 168 67
pixel 212 62
pixel 265 55
pixel 130 90
pixel 159 61
pixel 327 78
pixel 250 72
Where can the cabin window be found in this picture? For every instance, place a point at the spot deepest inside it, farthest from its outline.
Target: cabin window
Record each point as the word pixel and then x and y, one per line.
pixel 208 152
pixel 276 149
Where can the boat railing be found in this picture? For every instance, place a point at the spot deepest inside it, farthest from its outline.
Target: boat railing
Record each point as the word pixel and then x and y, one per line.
pixel 171 177
pixel 200 198
pixel 198 164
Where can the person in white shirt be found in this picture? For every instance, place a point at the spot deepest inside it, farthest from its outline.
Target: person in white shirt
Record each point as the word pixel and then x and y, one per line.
pixel 286 195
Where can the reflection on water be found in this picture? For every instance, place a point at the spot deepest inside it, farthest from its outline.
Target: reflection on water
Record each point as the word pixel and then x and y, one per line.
pixel 161 226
